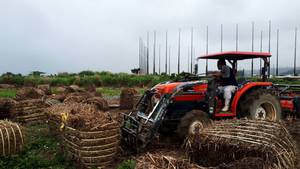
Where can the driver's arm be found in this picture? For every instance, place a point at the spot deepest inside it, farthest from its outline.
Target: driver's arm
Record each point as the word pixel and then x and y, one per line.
pixel 215 73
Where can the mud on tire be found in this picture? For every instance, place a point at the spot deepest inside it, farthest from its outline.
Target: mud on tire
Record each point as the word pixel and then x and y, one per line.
pixel 189 119
pixel 260 104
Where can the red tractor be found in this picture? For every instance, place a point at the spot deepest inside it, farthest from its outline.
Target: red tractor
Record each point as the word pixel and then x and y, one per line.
pixel 177 106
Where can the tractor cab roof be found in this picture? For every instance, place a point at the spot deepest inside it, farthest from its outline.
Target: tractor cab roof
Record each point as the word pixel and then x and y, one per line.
pixel 236 55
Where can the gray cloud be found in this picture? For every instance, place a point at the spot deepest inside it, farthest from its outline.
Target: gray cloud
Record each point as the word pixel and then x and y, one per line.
pixel 55 35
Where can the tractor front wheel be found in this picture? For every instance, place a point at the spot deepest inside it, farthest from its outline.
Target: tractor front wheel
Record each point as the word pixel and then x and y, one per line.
pixel 191 121
pixel 261 104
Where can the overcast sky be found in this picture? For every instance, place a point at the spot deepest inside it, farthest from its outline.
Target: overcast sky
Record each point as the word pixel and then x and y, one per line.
pixel 74 35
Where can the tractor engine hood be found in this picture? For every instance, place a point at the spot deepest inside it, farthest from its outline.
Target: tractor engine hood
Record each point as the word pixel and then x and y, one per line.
pixel 170 87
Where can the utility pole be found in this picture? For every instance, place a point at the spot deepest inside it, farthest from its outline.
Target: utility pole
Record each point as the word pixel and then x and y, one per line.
pixel 196 64
pixel 261 46
pixel 140 52
pixel 169 60
pixel 154 52
pixel 252 48
pixel 277 51
pixel 145 58
pixel 236 37
pixel 221 37
pixel 236 42
pixel 147 53
pixel 166 61
pixel 188 63
pixel 192 32
pixel 295 53
pixel 269 69
pixel 159 59
pixel 178 66
pixel 206 61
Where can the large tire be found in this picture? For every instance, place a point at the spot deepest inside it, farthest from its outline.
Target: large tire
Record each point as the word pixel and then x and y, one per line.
pixel 261 104
pixel 188 122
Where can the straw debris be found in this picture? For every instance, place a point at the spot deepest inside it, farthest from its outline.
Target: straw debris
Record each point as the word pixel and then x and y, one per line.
pixel 166 159
pixel 98 102
pixel 84 117
pixel 231 140
pixel 29 93
pixel 6 105
pixel 127 99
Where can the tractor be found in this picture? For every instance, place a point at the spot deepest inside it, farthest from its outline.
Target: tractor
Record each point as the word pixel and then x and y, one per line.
pixel 178 106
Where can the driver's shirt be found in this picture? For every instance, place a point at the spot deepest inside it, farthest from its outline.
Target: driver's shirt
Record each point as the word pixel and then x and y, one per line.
pixel 228 77
pixel 225 71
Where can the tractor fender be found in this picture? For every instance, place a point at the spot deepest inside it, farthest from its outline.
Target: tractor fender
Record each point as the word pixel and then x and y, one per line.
pixel 243 90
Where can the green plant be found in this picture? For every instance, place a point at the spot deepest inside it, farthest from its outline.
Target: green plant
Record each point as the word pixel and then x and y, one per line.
pixel 128 164
pixel 40 151
pixel 86 73
pixel 109 91
pixel 8 93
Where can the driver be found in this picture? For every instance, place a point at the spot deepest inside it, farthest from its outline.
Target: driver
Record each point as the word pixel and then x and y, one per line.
pixel 228 82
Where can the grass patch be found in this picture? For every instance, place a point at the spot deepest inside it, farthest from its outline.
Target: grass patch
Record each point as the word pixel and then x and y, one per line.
pixel 40 151
pixel 128 164
pixel 116 91
pixel 8 93
pixel 109 91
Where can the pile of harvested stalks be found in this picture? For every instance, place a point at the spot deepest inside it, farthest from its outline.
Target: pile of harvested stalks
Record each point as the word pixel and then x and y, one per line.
pixel 11 138
pixel 99 102
pixel 227 141
pixel 76 97
pixel 6 105
pixel 246 163
pixel 293 126
pixel 84 117
pixel 45 88
pixel 127 98
pixel 29 93
pixel 29 111
pixel 90 136
pixel 164 159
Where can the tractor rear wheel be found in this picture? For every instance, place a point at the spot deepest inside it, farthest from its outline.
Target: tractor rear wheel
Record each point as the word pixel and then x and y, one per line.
pixel 261 104
pixel 190 121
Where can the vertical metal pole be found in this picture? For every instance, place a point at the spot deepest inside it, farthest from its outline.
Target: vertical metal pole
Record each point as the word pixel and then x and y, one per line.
pixel 277 52
pixel 169 60
pixel 252 48
pixel 269 49
pixel 147 53
pixel 166 61
pixel 195 61
pixel 261 46
pixel 178 66
pixel 140 53
pixel 159 58
pixel 192 32
pixel 295 53
pixel 237 37
pixel 188 63
pixel 236 43
pixel 142 57
pixel 154 52
pixel 206 61
pixel 145 59
pixel 221 37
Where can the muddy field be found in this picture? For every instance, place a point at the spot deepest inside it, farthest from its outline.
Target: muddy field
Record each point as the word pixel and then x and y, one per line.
pixel 82 110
